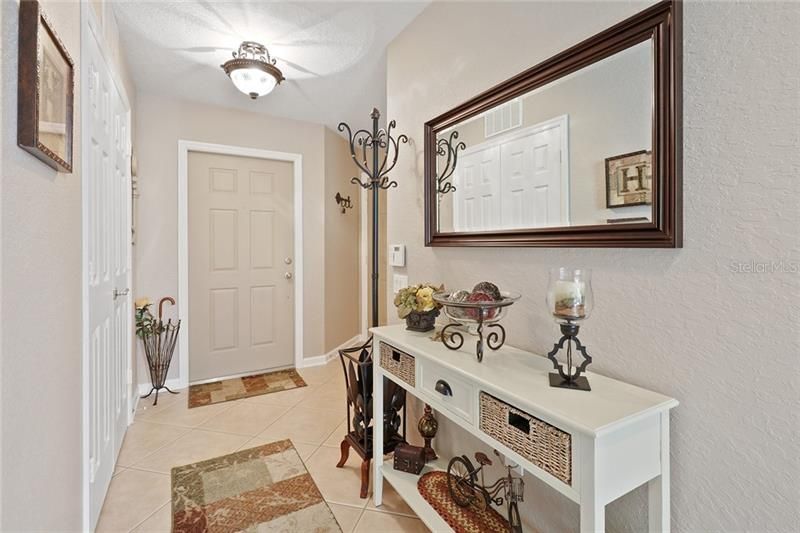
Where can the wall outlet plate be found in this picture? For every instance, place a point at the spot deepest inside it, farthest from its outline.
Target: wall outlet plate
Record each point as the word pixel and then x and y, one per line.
pixel 399 281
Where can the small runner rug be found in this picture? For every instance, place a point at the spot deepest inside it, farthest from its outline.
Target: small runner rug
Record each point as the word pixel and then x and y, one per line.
pixel 266 488
pixel 236 388
pixel 433 487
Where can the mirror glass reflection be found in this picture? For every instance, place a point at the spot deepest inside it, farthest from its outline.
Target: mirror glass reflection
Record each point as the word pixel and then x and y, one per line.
pixel 574 152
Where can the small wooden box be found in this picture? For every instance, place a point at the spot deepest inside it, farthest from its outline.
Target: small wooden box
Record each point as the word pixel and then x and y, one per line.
pixel 408 458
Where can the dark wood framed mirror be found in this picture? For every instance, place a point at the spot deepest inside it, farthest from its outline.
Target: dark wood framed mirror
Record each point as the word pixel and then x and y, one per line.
pixel 581 150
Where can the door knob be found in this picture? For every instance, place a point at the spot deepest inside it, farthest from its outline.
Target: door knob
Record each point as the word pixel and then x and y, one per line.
pixel 118 293
pixel 288 275
pixel 288 260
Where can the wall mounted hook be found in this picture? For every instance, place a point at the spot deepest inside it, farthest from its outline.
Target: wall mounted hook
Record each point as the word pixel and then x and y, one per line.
pixel 343 202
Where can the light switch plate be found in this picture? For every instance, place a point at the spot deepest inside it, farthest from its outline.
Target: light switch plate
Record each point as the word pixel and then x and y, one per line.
pixel 397 255
pixel 399 281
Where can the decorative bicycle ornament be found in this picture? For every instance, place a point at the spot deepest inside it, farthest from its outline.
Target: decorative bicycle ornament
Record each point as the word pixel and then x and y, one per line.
pixel 466 491
pixel 476 313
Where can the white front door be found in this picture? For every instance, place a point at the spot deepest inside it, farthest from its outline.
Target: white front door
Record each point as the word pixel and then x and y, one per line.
pixel 241 265
pixel 107 243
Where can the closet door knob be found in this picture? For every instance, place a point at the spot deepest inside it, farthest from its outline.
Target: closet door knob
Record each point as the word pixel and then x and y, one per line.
pixel 117 293
pixel 288 275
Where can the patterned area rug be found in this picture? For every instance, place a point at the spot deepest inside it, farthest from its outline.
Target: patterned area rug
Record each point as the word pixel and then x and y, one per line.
pixel 237 388
pixel 261 489
pixel 433 487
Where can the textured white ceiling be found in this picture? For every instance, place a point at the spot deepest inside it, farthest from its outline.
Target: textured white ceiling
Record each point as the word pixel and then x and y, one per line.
pixel 331 53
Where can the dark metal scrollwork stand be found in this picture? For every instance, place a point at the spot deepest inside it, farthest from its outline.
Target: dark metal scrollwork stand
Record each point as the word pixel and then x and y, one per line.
pixel 379 140
pixel 357 361
pixel 455 339
pixel 569 380
pixel 449 148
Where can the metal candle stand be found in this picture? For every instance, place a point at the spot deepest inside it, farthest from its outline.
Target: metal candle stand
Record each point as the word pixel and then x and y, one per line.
pixel 568 379
pixel 480 315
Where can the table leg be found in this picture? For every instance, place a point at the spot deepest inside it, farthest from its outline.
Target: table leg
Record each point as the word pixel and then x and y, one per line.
pixel 377 434
pixel 593 510
pixel 658 487
pixel 593 517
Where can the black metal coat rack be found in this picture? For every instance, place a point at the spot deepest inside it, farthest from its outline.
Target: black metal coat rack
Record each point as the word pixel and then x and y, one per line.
pixel 383 150
pixel 375 154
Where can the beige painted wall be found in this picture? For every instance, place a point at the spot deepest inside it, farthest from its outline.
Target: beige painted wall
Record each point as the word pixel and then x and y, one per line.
pixel 342 287
pixel 688 323
pixel 161 123
pixel 40 304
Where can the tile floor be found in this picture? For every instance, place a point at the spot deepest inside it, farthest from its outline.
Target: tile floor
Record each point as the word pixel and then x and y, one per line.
pixel 313 417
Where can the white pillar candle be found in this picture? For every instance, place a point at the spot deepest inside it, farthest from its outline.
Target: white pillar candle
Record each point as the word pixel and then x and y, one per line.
pixel 569 299
pixel 569 290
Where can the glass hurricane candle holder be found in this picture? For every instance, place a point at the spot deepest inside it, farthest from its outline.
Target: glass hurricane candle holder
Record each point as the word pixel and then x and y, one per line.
pixel 569 295
pixel 569 300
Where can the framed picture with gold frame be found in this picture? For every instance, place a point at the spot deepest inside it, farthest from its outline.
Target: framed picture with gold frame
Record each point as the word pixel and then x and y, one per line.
pixel 629 179
pixel 45 90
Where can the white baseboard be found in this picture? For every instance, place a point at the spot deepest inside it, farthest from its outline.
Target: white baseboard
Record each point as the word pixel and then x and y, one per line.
pixel 320 360
pixel 174 384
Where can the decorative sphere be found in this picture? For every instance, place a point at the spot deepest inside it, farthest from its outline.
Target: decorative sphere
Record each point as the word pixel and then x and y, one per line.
pixel 489 288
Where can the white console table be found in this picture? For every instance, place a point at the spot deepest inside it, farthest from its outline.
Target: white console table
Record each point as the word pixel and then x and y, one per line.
pixel 617 434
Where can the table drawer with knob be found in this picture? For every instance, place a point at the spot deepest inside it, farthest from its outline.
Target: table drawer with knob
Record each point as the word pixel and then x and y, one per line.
pixel 453 393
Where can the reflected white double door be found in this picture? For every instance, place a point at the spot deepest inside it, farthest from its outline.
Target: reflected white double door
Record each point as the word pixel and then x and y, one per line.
pixel 513 181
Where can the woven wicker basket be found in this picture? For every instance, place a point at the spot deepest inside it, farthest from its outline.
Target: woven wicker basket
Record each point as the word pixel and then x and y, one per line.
pixel 398 363
pixel 546 446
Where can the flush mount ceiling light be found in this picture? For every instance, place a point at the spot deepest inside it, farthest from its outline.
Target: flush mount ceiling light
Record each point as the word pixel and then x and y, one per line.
pixel 252 70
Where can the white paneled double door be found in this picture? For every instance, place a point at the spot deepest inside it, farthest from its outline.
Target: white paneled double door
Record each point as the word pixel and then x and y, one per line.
pixel 515 180
pixel 108 313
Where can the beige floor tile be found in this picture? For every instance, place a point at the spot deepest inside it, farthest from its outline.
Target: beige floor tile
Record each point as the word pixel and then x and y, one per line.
pixel 337 485
pixel 318 375
pixel 197 445
pixel 289 398
pixel 392 503
pixel 245 418
pixel 305 450
pixel 328 396
pixel 117 470
pixel 132 497
pixel 164 401
pixel 346 516
pixel 373 521
pixel 158 522
pixel 336 436
pixel 299 424
pixel 179 414
pixel 143 438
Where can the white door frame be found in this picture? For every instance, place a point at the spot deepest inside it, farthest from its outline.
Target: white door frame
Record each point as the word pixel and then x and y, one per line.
pixel 91 29
pixel 184 147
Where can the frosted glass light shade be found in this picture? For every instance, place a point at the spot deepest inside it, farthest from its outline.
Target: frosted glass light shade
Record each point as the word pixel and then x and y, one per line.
pixel 253 81
pixel 252 70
